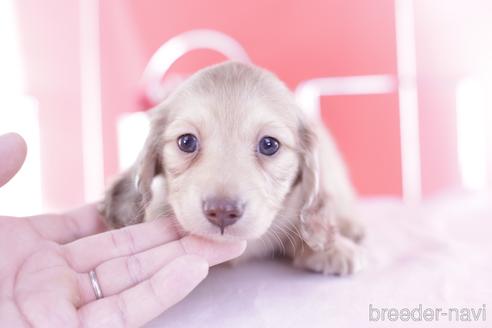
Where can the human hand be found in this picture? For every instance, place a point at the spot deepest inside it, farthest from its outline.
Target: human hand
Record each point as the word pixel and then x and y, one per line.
pixel 142 270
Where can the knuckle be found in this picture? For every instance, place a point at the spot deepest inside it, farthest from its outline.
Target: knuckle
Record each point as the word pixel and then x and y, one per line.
pixel 122 310
pixel 154 291
pixel 134 269
pixel 114 239
pixel 73 227
pixel 184 245
pixel 123 241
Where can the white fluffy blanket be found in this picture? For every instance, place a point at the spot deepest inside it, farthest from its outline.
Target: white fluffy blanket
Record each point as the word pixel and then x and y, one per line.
pixel 437 255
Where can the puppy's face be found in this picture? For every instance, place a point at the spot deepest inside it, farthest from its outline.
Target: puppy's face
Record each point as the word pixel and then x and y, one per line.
pixel 231 144
pixel 230 154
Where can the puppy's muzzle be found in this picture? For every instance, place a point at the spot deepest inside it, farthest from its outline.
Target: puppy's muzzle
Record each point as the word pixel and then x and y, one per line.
pixel 222 212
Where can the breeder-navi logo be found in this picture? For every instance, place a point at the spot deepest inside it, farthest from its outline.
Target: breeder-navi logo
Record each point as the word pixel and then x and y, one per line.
pixel 420 313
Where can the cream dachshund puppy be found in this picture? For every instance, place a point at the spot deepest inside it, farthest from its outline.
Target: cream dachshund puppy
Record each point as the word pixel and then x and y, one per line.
pixel 231 156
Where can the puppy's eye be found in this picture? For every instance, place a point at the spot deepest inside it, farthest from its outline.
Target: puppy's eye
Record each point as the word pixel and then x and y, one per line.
pixel 188 143
pixel 268 146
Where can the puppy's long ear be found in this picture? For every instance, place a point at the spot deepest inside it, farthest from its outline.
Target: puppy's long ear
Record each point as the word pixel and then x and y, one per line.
pixel 309 166
pixel 316 214
pixel 128 197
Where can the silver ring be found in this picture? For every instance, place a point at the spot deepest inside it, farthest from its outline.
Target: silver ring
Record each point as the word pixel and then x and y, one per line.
pixel 95 284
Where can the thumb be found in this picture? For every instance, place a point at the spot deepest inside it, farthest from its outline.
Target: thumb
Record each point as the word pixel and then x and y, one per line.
pixel 13 151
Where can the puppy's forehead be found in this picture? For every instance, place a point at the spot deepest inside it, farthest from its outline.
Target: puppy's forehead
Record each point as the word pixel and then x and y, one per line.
pixel 235 96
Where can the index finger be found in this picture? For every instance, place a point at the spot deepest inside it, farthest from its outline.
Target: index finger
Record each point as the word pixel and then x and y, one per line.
pixel 67 227
pixel 86 253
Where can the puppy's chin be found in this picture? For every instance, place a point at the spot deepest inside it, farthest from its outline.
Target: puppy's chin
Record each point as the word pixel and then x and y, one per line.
pixel 217 236
pixel 231 233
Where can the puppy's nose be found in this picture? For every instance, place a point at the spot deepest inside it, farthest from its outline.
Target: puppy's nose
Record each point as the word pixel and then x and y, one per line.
pixel 222 211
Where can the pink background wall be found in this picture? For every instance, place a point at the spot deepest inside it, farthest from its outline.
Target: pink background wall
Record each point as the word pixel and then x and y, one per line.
pixel 49 42
pixel 296 40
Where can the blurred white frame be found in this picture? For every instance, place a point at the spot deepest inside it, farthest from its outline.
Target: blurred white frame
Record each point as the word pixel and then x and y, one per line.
pixel 133 127
pixel 408 101
pixel 308 92
pixel 474 118
pixel 176 47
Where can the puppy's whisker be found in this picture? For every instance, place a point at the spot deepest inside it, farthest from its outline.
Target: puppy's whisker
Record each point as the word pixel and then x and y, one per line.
pixel 287 235
pixel 285 230
pixel 292 228
pixel 298 233
pixel 273 230
pixel 289 225
pixel 279 240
